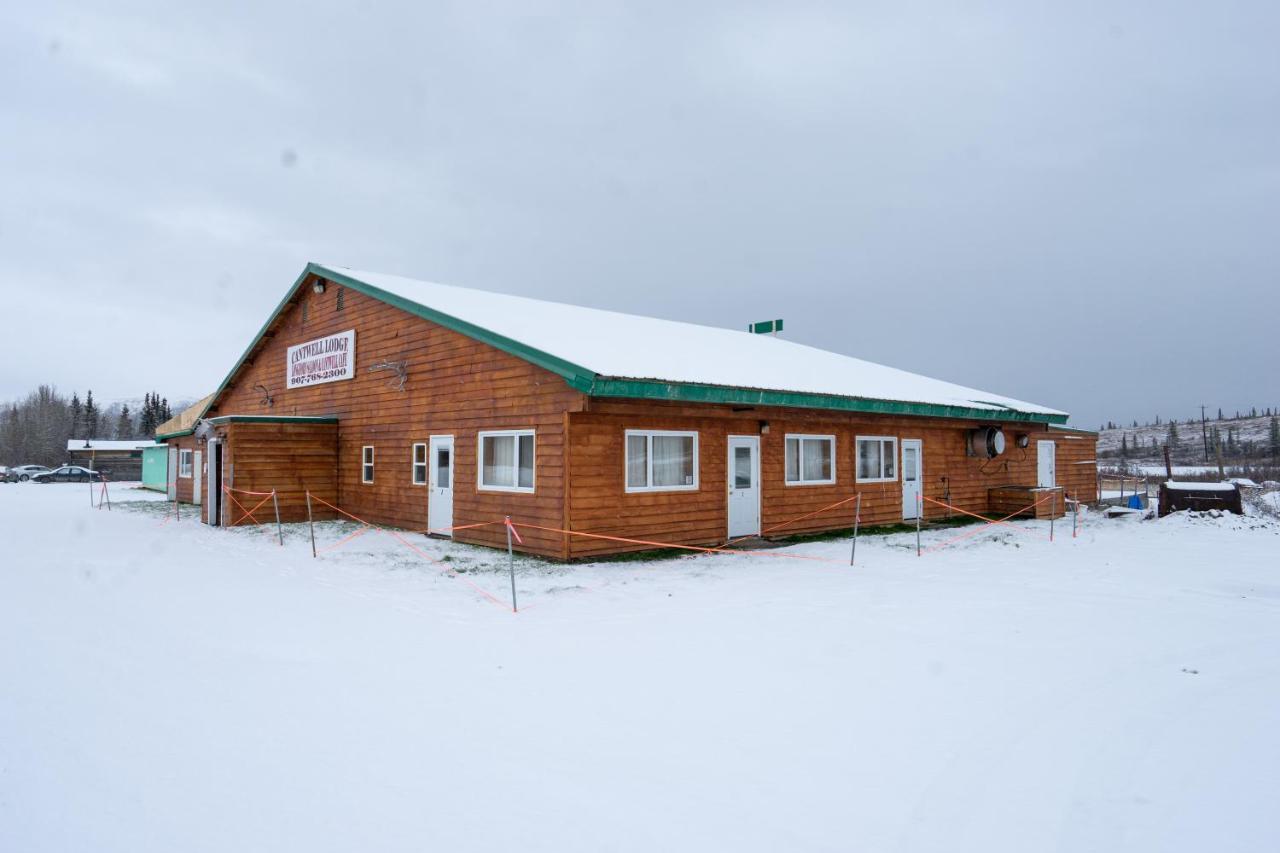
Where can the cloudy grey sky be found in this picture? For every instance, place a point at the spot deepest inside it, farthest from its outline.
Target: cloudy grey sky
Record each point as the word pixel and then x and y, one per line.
pixel 1076 204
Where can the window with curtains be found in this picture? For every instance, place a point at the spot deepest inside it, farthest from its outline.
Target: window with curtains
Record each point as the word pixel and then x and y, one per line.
pixel 877 458
pixel 811 459
pixel 506 460
pixel 419 464
pixel 661 461
pixel 366 464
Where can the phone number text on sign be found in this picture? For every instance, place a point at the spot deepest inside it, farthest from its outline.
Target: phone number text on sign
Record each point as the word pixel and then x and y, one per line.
pixel 327 359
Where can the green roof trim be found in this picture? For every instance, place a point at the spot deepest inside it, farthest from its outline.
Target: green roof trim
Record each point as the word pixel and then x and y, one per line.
pixel 691 393
pixel 273 419
pixel 165 436
pixel 591 384
pixel 1062 428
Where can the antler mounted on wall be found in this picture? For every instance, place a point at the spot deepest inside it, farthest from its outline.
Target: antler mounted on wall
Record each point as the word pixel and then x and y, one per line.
pixel 267 400
pixel 401 370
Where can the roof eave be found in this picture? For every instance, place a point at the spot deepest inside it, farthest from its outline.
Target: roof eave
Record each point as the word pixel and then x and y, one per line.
pixel 643 389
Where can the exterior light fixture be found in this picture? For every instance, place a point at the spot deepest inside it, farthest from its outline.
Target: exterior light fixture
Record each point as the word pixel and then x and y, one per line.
pixel 318 287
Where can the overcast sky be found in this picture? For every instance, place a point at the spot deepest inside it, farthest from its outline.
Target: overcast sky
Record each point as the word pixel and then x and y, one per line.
pixel 1076 204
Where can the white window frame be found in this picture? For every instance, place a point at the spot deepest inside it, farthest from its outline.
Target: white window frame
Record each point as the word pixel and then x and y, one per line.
pixel 801 437
pixel 648 472
pixel 516 434
pixel 367 468
pixel 186 463
pixel 415 464
pixel 858 478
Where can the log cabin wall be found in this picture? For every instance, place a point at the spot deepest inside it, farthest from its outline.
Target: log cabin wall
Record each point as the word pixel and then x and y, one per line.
pixel 453 385
pixel 1077 463
pixel 186 485
pixel 599 502
pixel 293 459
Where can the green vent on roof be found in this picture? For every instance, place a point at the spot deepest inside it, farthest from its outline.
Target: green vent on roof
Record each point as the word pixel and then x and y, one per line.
pixel 766 327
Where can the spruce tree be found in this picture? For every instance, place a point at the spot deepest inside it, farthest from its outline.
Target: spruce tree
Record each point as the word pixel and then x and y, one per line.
pixel 91 414
pixel 146 421
pixel 124 424
pixel 1172 438
pixel 1274 437
pixel 76 413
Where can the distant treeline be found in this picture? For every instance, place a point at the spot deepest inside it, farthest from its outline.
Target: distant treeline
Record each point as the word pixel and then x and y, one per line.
pixel 1254 412
pixel 35 430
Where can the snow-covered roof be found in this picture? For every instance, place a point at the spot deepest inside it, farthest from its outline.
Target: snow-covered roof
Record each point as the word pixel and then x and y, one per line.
pixel 97 444
pixel 1184 485
pixel 613 345
pixel 186 419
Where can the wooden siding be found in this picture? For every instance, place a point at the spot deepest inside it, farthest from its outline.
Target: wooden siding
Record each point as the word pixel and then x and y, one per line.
pixel 186 485
pixel 290 458
pixel 457 386
pixel 454 386
pixel 599 502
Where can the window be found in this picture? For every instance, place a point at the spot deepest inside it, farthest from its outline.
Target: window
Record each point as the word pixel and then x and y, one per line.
pixel 877 458
pixel 184 463
pixel 661 461
pixel 419 464
pixel 811 459
pixel 366 464
pixel 506 460
pixel 444 464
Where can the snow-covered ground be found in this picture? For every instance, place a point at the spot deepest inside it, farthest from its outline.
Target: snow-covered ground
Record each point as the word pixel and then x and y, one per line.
pixel 1154 470
pixel 170 687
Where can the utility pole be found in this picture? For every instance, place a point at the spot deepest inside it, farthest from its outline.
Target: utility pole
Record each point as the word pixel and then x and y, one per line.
pixel 1204 433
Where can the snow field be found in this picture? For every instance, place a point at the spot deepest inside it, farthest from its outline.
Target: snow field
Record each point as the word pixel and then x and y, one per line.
pixel 168 686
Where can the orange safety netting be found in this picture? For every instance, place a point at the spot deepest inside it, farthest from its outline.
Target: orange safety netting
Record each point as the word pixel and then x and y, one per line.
pixel 247 513
pixel 395 535
pixel 987 522
pixel 768 530
pixel 656 544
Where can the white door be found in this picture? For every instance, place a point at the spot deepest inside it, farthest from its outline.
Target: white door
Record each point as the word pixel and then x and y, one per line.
pixel 912 473
pixel 1046 464
pixel 440 486
pixel 195 484
pixel 744 485
pixel 173 473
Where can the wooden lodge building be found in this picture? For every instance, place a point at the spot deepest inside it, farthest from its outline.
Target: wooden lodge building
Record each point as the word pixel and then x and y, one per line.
pixel 424 406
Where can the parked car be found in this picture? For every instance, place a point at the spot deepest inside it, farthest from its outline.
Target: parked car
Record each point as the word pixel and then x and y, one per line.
pixel 25 472
pixel 68 474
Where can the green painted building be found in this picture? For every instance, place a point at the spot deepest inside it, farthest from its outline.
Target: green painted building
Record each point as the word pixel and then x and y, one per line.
pixel 155 467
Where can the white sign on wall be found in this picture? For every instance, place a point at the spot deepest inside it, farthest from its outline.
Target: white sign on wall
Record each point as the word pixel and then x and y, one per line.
pixel 327 359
